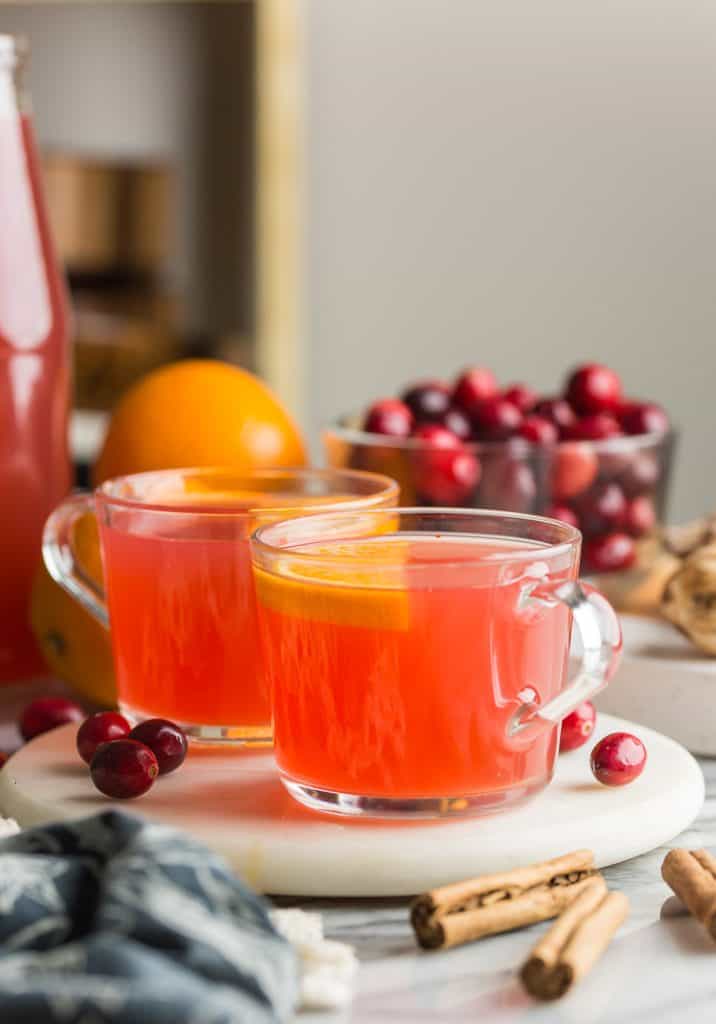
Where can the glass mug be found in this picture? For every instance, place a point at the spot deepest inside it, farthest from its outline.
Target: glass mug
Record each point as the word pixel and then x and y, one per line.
pixel 417 658
pixel 179 590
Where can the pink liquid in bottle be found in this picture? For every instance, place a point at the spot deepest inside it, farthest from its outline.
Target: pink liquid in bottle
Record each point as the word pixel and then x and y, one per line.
pixel 34 373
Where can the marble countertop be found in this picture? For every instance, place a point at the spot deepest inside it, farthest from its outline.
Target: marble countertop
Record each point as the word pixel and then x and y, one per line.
pixel 656 969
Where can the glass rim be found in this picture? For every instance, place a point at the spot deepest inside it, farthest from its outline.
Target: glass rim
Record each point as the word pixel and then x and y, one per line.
pixel 264 547
pixel 385 489
pixel 343 430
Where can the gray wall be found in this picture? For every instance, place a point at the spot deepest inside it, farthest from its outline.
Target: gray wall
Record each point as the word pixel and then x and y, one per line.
pixel 522 184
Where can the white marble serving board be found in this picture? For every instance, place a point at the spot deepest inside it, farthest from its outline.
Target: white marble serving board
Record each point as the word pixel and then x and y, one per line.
pixel 235 803
pixel 664 682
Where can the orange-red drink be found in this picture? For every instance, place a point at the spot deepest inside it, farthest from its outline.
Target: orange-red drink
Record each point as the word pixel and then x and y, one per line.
pixel 404 651
pixel 183 621
pixel 180 595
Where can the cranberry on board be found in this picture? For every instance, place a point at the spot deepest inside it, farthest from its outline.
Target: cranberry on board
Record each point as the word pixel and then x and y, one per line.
pixel 47 713
pixel 564 513
pixel 575 468
pixel 609 553
pixel 444 471
pixel 594 388
pixel 389 416
pixel 166 741
pixel 644 418
pixel 539 430
pixel 473 387
pixel 641 474
pixel 124 769
pixel 104 727
pixel 559 411
pixel 522 396
pixel 598 426
pixel 457 421
pixel 508 484
pixel 640 516
pixel 618 759
pixel 577 727
pixel 496 419
pixel 428 400
pixel 601 509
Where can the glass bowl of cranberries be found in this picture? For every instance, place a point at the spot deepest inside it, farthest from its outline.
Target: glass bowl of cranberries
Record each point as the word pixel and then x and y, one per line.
pixel 590 456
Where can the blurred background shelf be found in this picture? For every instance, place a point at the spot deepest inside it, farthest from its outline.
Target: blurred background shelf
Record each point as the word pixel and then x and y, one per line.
pixel 345 196
pixel 158 125
pixel 86 433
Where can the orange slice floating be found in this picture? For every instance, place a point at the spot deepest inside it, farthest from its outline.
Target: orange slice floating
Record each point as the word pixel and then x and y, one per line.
pixel 350 583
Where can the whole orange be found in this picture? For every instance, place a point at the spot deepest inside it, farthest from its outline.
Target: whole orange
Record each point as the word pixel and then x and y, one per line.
pixel 198 412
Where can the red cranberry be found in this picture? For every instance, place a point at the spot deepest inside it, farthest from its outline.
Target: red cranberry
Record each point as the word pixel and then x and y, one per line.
pixel 564 513
pixel 577 727
pixel 575 467
pixel 640 516
pixel 613 463
pixel 594 388
pixel 447 478
pixel 641 474
pixel 599 426
pixel 559 411
pixel 508 484
pixel 496 419
pixel 474 387
pixel 103 727
pixel 123 769
pixel 539 430
pixel 456 420
pixel 435 436
pixel 618 759
pixel 428 400
pixel 644 418
pixel 522 396
pixel 47 713
pixel 610 553
pixel 389 416
pixel 602 509
pixel 166 741
pixel 445 473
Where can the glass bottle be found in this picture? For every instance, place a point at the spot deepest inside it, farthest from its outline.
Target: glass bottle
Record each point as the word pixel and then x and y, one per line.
pixel 35 469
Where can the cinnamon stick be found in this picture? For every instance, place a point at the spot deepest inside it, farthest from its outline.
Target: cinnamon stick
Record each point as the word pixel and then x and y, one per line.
pixel 500 902
pixel 692 876
pixel 574 943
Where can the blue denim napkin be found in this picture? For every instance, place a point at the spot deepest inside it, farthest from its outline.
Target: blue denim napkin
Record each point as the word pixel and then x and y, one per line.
pixel 114 919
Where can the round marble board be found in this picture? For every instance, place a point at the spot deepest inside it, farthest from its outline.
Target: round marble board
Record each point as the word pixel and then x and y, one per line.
pixel 235 803
pixel 666 683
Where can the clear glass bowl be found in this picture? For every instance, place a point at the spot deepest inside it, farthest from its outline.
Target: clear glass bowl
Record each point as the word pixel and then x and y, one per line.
pixel 568 479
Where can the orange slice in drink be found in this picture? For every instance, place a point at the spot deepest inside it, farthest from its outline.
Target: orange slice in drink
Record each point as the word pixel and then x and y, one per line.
pixel 347 583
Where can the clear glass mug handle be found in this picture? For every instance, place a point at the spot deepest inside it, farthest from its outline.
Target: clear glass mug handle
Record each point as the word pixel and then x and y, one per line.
pixel 60 560
pixel 601 638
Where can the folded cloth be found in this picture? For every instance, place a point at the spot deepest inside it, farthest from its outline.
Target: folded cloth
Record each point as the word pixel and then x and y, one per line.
pixel 114 919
